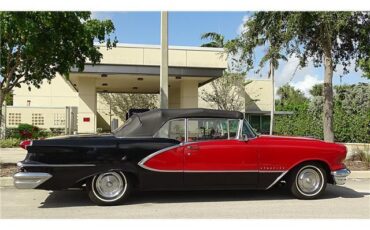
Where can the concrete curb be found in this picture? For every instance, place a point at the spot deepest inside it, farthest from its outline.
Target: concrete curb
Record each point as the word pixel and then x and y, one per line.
pixel 15 149
pixel 359 175
pixel 8 181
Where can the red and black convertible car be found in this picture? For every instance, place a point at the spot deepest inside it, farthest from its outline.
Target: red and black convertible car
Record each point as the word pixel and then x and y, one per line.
pixel 181 149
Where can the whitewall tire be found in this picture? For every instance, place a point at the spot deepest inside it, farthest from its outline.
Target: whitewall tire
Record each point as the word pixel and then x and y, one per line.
pixel 308 181
pixel 109 188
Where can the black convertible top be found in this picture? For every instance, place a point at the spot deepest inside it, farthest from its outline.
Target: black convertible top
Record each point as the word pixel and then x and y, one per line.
pixel 147 124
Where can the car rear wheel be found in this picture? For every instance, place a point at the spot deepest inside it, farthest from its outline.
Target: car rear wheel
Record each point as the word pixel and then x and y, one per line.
pixel 109 188
pixel 308 181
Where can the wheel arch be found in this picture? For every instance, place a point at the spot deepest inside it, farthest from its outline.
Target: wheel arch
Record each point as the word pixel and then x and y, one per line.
pixel 129 172
pixel 324 164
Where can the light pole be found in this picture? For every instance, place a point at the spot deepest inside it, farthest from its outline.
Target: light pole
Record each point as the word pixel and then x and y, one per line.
pixel 163 85
pixel 272 76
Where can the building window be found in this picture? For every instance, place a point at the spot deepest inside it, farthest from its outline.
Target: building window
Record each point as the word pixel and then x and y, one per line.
pixel 59 119
pixel 261 123
pixel 14 118
pixel 37 119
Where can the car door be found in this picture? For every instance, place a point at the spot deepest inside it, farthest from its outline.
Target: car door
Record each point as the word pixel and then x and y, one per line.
pixel 214 156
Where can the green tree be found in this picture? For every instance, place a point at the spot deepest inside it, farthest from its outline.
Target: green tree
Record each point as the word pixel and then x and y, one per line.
pixel 9 99
pixel 351 112
pixel 317 90
pixel 325 38
pixel 37 45
pixel 299 123
pixel 290 98
pixel 365 66
pixel 228 92
pixel 122 102
pixel 261 31
pixel 216 40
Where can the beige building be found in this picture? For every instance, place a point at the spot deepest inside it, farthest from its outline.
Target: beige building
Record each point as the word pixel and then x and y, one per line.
pixel 125 69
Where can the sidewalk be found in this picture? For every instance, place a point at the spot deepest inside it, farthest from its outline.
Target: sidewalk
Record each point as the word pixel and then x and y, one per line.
pixel 12 155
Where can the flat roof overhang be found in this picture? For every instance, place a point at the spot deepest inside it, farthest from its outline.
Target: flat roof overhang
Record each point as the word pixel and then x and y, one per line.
pixel 130 68
pixel 150 70
pixel 125 78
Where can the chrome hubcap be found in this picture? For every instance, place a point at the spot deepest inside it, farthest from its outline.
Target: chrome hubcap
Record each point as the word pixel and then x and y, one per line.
pixel 309 181
pixel 110 185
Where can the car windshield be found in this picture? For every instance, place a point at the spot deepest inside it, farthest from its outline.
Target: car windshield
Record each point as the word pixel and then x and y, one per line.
pixel 248 130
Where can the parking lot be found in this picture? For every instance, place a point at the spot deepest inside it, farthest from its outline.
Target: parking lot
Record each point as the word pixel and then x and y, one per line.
pixel 351 201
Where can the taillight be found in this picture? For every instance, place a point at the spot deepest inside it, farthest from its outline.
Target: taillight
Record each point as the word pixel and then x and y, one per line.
pixel 25 144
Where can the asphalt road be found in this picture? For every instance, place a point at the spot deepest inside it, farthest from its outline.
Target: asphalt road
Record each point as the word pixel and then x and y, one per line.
pixel 351 201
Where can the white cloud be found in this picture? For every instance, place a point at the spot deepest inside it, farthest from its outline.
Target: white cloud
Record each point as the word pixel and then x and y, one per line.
pixel 306 84
pixel 241 26
pixel 287 71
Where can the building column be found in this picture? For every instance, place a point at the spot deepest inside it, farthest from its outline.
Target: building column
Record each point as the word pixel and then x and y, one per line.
pixel 188 94
pixel 86 105
pixel 163 92
pixel 174 98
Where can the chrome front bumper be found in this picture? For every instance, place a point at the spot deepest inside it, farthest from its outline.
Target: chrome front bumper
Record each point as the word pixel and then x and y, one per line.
pixel 340 176
pixel 30 180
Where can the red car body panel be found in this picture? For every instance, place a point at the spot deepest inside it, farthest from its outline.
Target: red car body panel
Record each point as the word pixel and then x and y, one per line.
pixel 287 152
pixel 167 160
pixel 220 155
pixel 262 154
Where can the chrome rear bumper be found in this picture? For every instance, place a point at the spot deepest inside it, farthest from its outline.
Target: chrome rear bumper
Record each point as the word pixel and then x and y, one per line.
pixel 30 180
pixel 340 176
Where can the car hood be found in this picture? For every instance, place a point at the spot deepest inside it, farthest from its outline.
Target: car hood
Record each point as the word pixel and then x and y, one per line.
pixel 301 141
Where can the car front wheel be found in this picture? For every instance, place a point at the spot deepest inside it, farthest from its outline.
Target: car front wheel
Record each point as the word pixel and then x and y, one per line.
pixel 109 188
pixel 308 181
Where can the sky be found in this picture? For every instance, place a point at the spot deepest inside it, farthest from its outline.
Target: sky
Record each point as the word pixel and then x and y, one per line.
pixel 186 28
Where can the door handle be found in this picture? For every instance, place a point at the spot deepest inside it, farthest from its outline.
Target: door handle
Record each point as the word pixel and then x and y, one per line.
pixel 193 147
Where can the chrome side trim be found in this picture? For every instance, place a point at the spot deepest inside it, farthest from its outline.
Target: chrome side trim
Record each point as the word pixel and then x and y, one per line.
pixel 30 180
pixel 158 170
pixel 20 164
pixel 209 171
pixel 340 176
pixel 277 179
pixel 221 171
pixel 142 162
pixel 270 171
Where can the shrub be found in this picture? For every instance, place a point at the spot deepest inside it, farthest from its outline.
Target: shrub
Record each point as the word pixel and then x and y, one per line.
pixel 360 155
pixel 9 143
pixel 11 133
pixel 56 131
pixel 27 131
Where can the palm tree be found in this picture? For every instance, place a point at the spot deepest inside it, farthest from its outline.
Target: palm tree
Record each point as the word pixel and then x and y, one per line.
pixel 289 95
pixel 217 40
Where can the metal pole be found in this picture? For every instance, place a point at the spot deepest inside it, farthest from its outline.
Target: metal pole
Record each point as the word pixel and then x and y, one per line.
pixel 272 70
pixel 163 92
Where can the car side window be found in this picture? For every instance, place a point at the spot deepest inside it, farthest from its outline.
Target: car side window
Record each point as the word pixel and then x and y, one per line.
pixel 173 129
pixel 212 129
